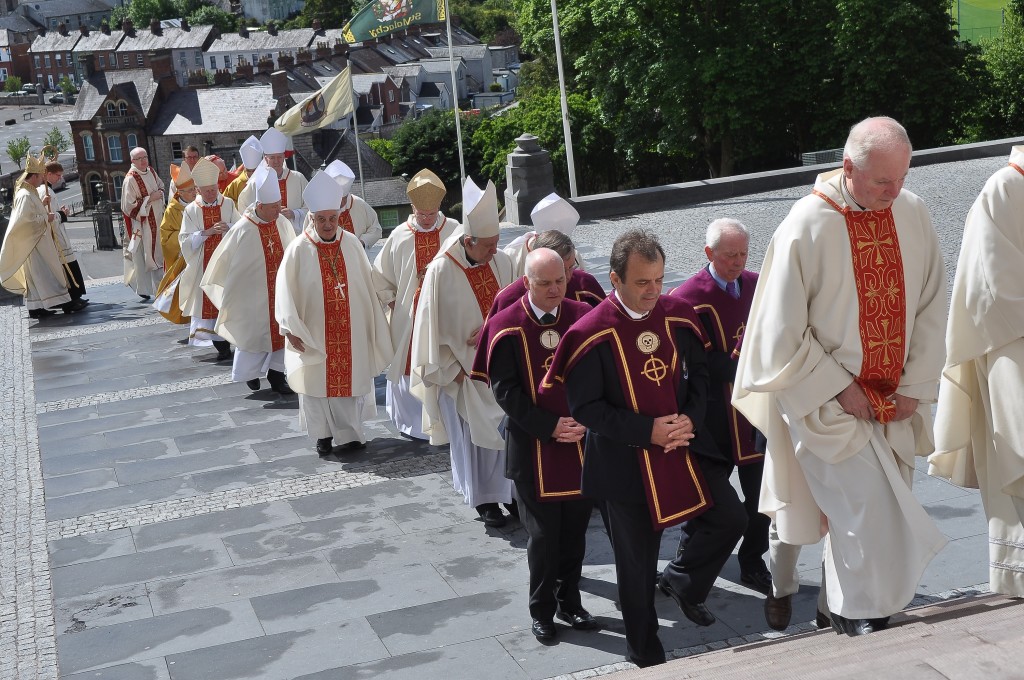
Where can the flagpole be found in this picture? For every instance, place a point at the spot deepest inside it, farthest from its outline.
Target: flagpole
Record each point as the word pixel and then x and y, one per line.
pixel 455 92
pixel 355 133
pixel 565 104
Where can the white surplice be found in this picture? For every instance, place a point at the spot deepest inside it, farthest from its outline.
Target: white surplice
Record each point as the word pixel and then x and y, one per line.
pixel 30 258
pixel 802 346
pixel 192 239
pixel 295 183
pixel 979 438
pixel 144 259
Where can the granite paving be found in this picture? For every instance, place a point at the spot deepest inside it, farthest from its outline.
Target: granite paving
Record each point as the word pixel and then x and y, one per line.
pixel 162 522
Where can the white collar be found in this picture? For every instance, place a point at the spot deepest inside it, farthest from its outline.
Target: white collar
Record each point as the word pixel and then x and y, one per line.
pixel 537 310
pixel 636 316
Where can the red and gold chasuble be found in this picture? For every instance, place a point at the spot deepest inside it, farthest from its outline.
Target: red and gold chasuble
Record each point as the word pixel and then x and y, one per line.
pixel 484 283
pixel 337 318
pixel 282 185
pixel 558 465
pixel 345 218
pixel 882 301
pixel 273 252
pixel 211 216
pixel 427 243
pixel 146 220
pixel 649 368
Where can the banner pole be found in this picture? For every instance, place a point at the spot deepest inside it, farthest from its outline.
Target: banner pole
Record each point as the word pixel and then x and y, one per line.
pixel 565 104
pixel 355 133
pixel 455 94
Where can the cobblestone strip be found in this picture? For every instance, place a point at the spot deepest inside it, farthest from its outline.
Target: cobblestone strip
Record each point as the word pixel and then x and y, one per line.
pixel 134 393
pixel 27 642
pixel 97 328
pixel 795 629
pixel 285 489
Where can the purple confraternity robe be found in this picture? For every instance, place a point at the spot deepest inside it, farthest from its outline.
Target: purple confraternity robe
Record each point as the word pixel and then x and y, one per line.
pixel 728 319
pixel 558 465
pixel 581 287
pixel 649 369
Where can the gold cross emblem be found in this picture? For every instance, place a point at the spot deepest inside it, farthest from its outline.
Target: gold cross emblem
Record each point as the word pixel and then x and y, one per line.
pixel 739 332
pixel 547 362
pixel 655 370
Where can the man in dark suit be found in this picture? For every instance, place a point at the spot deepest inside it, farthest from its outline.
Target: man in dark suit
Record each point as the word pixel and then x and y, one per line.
pixel 543 446
pixel 636 375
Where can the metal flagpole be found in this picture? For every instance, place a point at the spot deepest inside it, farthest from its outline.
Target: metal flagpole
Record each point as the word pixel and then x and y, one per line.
pixel 355 133
pixel 455 92
pixel 565 104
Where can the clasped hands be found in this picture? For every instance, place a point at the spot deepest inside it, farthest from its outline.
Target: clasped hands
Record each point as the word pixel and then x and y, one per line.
pixel 219 228
pixel 672 431
pixel 855 402
pixel 568 431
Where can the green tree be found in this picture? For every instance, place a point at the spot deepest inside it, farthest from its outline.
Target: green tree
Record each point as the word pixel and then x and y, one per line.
pixel 331 13
pixel 142 11
pixel 384 148
pixel 17 149
pixel 486 19
pixel 57 139
pixel 12 84
pixel 67 86
pixel 1001 110
pixel 208 15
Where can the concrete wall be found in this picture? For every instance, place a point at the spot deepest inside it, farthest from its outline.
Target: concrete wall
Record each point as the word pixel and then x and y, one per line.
pixel 689 193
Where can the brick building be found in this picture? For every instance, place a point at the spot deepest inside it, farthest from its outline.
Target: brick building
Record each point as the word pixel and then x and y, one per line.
pixel 51 55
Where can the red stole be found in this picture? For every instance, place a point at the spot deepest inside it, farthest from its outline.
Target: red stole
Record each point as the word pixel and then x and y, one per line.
pixel 148 219
pixel 649 369
pixel 273 252
pixel 482 281
pixel 282 185
pixel 427 243
pixel 558 465
pixel 337 317
pixel 1017 168
pixel 882 302
pixel 729 319
pixel 345 218
pixel 211 216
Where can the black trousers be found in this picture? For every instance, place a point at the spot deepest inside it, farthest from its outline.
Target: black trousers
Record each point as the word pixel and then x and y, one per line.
pixel 554 551
pixel 636 546
pixel 755 538
pixel 708 539
pixel 76 283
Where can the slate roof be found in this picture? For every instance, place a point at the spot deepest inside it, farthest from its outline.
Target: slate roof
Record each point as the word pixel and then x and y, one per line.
pixel 98 41
pixel 385 192
pixel 367 60
pixel 59 8
pixel 467 51
pixel 54 42
pixel 363 83
pixel 136 85
pixel 213 110
pixel 441 65
pixel 171 39
pixel 17 24
pixel 430 90
pixel 286 39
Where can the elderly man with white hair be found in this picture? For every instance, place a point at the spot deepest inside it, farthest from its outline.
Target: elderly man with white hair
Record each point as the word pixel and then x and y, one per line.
pixel 142 203
pixel 337 334
pixel 291 184
pixel 241 278
pixel 840 365
pixel 356 217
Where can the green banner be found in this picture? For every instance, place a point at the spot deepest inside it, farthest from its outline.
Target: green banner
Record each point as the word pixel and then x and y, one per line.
pixel 384 17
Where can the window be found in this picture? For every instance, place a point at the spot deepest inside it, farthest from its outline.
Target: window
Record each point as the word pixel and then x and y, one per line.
pixel 59 64
pixel 133 141
pixel 255 58
pixel 124 60
pixel 90 151
pixel 123 109
pixel 183 60
pixel 388 218
pixel 46 60
pixel 176 154
pixel 199 59
pixel 118 179
pixel 227 61
pixel 69 59
pixel 49 81
pixel 3 75
pixel 113 60
pixel 140 60
pixel 114 146
pixel 36 61
pixel 391 95
pixel 213 62
pixel 103 61
pixel 111 110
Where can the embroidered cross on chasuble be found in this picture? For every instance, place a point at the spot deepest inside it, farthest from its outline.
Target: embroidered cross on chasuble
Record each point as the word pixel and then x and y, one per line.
pixel 882 302
pixel 345 222
pixel 337 318
pixel 211 216
pixel 483 282
pixel 273 252
pixel 427 243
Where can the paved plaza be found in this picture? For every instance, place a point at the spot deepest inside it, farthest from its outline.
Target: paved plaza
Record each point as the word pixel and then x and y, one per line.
pixel 189 530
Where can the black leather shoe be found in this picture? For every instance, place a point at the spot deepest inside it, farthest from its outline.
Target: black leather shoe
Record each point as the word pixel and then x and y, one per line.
pixel 183 341
pixel 253 384
pixel 880 624
pixel 543 630
pixel 323 447
pixel 278 382
pixel 223 348
pixel 821 620
pixel 778 611
pixel 144 297
pixel 492 515
pixel 579 619
pixel 698 613
pixel 40 313
pixel 852 627
pixel 760 581
pixel 74 306
pixel 355 445
pixel 513 508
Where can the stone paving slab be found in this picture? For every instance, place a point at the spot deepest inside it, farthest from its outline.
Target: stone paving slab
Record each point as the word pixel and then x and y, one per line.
pixel 154 669
pixel 76 549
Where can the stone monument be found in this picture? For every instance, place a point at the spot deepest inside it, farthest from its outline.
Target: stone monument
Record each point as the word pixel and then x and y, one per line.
pixel 529 178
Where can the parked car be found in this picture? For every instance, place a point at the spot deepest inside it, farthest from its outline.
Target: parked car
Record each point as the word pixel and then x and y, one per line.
pixel 28 89
pixel 57 99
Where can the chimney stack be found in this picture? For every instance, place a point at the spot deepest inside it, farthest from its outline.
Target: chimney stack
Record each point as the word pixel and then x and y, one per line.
pixel 243 32
pixel 154 27
pixel 279 84
pixel 185 25
pixel 104 28
pixel 128 27
pixel 84 30
pixel 271 28
pixel 62 29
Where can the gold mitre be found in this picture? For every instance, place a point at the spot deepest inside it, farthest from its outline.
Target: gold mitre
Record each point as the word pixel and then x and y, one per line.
pixel 426 190
pixel 35 165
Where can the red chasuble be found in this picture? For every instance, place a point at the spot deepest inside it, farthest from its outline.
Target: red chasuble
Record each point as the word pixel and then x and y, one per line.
pixel 728 319
pixel 427 245
pixel 211 216
pixel 882 301
pixel 581 287
pixel 558 465
pixel 337 318
pixel 273 252
pixel 483 282
pixel 649 369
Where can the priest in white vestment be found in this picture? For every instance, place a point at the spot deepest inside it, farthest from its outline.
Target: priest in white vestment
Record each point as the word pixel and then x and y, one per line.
pixel 979 434
pixel 839 368
pixel 203 225
pixel 458 290
pixel 142 203
pixel 551 212
pixel 336 333
pixel 30 260
pixel 398 273
pixel 357 217
pixel 240 280
pixel 290 182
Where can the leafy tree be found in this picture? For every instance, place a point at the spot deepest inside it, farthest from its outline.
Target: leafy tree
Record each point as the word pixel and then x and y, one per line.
pixel 331 13
pixel 17 149
pixel 142 11
pixel 384 148
pixel 486 20
pixel 1001 110
pixel 209 15
pixel 12 84
pixel 57 139
pixel 67 86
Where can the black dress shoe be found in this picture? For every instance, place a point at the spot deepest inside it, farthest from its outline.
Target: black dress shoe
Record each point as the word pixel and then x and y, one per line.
pixel 278 382
pixel 579 619
pixel 760 581
pixel 223 348
pixel 492 515
pixel 355 445
pixel 543 630
pixel 696 612
pixel 283 389
pixel 144 297
pixel 778 611
pixel 323 447
pixel 40 313
pixel 880 624
pixel 852 627
pixel 821 620
pixel 513 508
pixel 253 384
pixel 183 341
